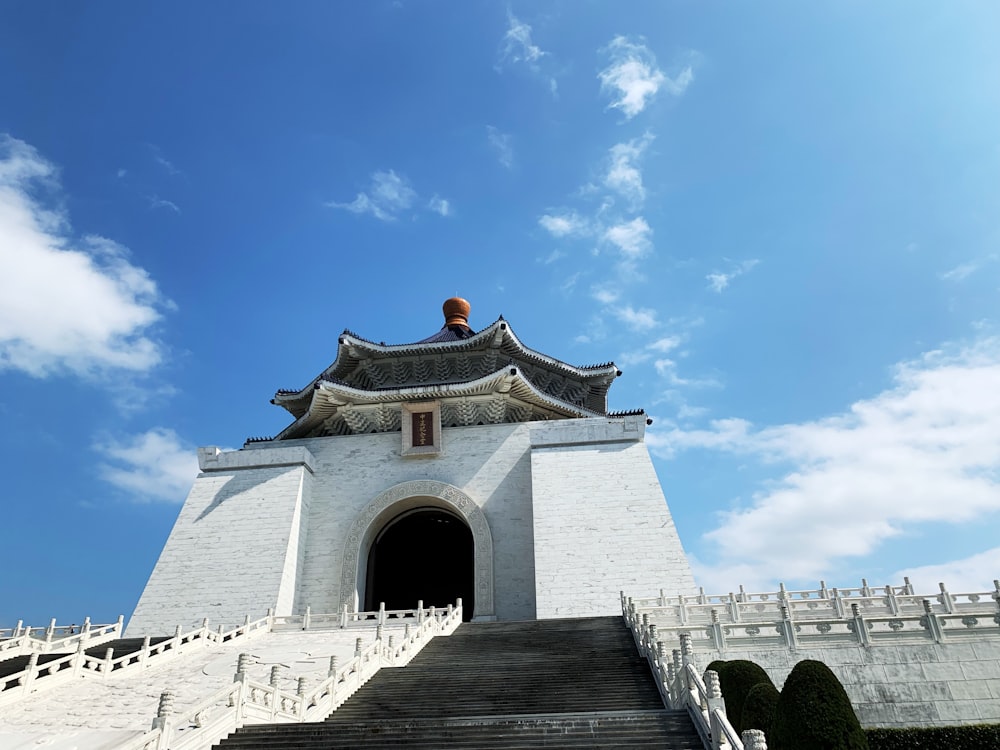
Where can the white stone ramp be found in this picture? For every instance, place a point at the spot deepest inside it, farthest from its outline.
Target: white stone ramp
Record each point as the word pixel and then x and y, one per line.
pixel 94 714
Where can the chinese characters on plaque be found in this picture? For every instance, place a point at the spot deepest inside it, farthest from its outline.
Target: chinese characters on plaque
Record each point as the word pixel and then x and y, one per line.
pixel 421 428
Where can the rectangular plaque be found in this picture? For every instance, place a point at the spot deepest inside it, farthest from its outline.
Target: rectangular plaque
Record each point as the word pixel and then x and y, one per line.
pixel 423 428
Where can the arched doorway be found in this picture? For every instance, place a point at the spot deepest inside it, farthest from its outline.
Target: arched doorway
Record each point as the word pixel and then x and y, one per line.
pixel 423 554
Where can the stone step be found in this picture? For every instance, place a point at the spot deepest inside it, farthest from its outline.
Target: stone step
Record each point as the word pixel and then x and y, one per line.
pixel 506 686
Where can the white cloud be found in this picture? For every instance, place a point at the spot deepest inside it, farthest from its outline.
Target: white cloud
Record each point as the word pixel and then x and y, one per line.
pixel 926 450
pixel 388 195
pixel 638 320
pixel 659 346
pixel 501 144
pixel 439 205
pixel 65 303
pixel 604 295
pixel 157 202
pixel 552 257
pixel 970 574
pixel 960 272
pixel 154 465
pixel 160 159
pixel 623 174
pixel 632 77
pixel 718 281
pixel 565 224
pixel 632 238
pixel 517 44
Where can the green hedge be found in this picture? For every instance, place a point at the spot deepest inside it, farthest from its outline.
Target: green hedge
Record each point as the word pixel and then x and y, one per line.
pixel 814 713
pixel 737 678
pixel 760 707
pixel 975 737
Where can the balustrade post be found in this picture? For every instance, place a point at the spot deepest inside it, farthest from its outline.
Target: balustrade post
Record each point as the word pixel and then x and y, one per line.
pixel 782 592
pixel 716 703
pixel 838 604
pixel 946 600
pixel 177 633
pixel 651 639
pixel 343 616
pixel 860 627
pixel 275 675
pixel 17 630
pixel 378 632
pixel 865 591
pixel 108 656
pixel 718 634
pixel 743 594
pixel 734 608
pixel 406 632
pixel 791 639
pixel 300 688
pixel 204 627
pixel 273 682
pixel 162 719
pixel 381 613
pixel 891 601
pixel 458 603
pixel 753 739
pixel 682 609
pixel 823 593
pixel 85 630
pixel 701 595
pixel 677 685
pixel 242 668
pixel 357 647
pixel 420 612
pixel 144 652
pixel 270 619
pixel 686 658
pixel 663 598
pixel 907 586
pixel 50 631
pixel 79 658
pixel 31 672
pixel 432 612
pixel 332 669
pixel 931 622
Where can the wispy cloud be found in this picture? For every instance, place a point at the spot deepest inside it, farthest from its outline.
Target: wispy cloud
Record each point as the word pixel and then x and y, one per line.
pixel 624 175
pixel 517 45
pixel 632 77
pixel 166 164
pixel 960 272
pixel 517 48
pixel 604 295
pixel 926 450
pixel 973 573
pixel 66 303
pixel 642 319
pixel 552 257
pixel 501 144
pixel 632 238
pixel 718 280
pixel 154 465
pixel 157 202
pixel 565 224
pixel 388 195
pixel 439 205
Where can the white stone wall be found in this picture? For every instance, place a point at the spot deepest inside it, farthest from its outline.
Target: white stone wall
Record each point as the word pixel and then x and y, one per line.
pixel 268 526
pixel 231 552
pixel 905 685
pixel 600 519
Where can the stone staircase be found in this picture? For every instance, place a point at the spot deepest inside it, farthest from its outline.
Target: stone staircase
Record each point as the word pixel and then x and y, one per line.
pixel 118 646
pixel 576 683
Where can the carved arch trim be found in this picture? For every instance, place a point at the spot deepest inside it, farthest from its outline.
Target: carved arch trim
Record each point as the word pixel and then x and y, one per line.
pixel 386 505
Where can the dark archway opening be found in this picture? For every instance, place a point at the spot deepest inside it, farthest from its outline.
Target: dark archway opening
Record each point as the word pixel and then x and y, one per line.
pixel 424 554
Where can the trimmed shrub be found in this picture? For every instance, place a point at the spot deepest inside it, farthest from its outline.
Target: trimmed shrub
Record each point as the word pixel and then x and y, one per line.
pixel 760 707
pixel 716 666
pixel 975 737
pixel 736 678
pixel 814 712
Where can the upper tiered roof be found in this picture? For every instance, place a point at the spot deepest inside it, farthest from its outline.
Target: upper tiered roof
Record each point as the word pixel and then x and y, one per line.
pixel 487 377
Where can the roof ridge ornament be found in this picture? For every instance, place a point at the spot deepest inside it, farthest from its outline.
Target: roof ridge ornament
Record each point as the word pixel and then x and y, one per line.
pixel 456 312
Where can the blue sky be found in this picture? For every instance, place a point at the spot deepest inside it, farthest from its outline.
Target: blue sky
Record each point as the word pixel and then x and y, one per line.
pixel 782 220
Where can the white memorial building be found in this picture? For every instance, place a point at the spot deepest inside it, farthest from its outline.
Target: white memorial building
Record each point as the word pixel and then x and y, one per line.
pixel 536 501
